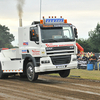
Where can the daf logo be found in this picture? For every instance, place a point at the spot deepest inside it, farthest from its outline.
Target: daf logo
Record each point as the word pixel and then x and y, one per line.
pixel 71 47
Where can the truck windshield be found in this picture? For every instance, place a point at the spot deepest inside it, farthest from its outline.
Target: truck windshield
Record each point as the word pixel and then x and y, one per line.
pixel 57 34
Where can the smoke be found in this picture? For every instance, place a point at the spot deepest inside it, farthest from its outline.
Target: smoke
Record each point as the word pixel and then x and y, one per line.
pixel 20 4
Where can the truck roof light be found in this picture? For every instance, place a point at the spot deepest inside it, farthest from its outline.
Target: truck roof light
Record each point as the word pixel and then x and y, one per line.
pixel 52 16
pixel 65 20
pixel 41 21
pixel 49 16
pixel 43 17
pixel 54 20
pixel 55 16
pixel 60 16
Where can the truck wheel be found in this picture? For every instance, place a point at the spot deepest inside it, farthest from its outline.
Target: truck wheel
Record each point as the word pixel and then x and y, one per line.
pixel 64 73
pixel 2 76
pixel 30 71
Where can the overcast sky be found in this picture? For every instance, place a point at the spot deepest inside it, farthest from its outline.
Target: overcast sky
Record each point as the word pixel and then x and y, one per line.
pixel 84 14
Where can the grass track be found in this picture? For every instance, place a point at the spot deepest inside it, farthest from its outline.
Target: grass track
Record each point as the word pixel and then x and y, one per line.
pixel 84 74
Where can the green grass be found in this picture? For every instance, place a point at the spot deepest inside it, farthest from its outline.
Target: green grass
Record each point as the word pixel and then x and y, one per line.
pixel 83 73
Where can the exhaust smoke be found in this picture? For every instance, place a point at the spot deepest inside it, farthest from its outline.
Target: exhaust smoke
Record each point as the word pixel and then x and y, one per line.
pixel 20 4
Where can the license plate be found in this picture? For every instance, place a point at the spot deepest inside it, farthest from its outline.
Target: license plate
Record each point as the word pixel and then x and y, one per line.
pixel 60 66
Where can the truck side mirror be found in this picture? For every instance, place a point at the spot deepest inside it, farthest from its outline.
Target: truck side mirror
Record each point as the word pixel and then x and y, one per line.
pixel 75 32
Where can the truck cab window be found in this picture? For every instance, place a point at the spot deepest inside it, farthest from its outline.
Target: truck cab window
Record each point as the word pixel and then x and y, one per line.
pixel 34 36
pixel 57 34
pixel 68 32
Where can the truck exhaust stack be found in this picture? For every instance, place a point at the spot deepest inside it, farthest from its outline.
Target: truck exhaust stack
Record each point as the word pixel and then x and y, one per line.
pixel 20 22
pixel 20 4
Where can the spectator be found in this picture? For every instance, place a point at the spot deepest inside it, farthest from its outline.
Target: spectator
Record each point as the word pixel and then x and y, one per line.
pixel 84 57
pixel 89 58
pixel 82 54
pixel 91 54
pixel 78 55
pixel 87 55
pixel 98 59
pixel 99 62
pixel 93 60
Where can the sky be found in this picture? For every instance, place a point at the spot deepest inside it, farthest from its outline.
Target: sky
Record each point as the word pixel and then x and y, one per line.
pixel 84 14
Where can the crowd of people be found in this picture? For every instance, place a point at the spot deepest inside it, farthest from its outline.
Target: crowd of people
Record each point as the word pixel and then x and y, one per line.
pixel 89 57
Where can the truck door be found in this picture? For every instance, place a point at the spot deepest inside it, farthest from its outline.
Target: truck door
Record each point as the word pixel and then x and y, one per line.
pixel 34 36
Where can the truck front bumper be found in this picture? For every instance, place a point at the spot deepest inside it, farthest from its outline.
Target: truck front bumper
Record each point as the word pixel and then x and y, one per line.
pixel 45 67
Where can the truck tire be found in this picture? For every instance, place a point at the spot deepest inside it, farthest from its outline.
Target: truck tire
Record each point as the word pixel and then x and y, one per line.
pixel 64 73
pixel 0 73
pixel 2 76
pixel 30 71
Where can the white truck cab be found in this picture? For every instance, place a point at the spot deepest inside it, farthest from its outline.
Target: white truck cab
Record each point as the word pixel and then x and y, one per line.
pixel 47 46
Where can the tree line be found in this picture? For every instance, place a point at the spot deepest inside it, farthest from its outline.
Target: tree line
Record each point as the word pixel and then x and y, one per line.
pixel 5 37
pixel 92 44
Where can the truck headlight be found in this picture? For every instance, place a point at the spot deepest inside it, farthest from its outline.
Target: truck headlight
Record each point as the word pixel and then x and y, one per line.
pixel 74 59
pixel 45 61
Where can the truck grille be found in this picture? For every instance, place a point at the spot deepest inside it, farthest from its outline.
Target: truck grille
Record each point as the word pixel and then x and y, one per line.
pixel 54 51
pixel 51 53
pixel 61 48
pixel 63 59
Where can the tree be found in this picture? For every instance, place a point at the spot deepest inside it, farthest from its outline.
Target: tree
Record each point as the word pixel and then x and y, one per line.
pixel 5 37
pixel 85 44
pixel 94 37
pixel 92 44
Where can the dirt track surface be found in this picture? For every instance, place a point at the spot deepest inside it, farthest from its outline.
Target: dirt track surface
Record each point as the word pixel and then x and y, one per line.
pixel 49 88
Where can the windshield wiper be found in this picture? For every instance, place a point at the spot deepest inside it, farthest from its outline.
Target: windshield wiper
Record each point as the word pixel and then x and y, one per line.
pixel 58 40
pixel 68 39
pixel 49 40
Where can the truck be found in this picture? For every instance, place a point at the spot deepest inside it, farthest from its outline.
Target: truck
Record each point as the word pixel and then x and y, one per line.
pixel 45 46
